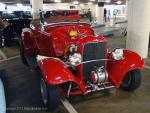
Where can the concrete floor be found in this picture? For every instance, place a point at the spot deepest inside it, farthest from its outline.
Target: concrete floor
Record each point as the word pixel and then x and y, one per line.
pixel 22 91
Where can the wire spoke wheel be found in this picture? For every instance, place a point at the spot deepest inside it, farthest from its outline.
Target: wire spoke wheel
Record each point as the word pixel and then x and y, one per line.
pixel 44 92
pixel 50 95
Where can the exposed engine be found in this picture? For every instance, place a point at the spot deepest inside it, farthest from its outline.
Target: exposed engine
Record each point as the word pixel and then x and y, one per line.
pixel 99 76
pixel 71 56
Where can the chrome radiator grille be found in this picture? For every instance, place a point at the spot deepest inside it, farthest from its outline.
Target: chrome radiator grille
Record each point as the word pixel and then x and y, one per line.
pixel 93 51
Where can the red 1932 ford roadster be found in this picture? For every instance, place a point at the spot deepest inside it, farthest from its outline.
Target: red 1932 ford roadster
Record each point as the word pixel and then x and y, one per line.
pixel 72 60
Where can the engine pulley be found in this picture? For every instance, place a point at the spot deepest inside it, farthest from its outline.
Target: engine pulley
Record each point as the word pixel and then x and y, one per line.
pixel 99 75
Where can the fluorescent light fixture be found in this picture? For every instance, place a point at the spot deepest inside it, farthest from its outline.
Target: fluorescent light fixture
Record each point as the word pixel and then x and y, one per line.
pixel 119 2
pixel 92 0
pixel 90 3
pixel 57 1
pixel 75 2
pixel 19 5
pixel 107 1
pixel 81 5
pixel 2 4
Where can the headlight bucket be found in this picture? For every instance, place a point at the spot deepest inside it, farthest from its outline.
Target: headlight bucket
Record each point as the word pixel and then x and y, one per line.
pixel 75 59
pixel 117 54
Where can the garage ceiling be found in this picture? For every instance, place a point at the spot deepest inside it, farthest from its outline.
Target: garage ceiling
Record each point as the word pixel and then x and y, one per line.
pixel 52 1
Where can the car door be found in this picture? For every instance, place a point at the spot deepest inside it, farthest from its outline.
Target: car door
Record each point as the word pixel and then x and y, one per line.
pixel 43 42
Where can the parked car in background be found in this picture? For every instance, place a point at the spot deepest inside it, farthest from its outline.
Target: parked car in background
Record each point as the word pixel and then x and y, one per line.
pixel 74 14
pixel 15 22
pixel 23 14
pixel 6 16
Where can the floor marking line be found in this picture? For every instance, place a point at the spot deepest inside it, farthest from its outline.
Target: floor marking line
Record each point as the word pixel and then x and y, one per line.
pixel 11 58
pixel 147 67
pixel 68 106
pixel 3 55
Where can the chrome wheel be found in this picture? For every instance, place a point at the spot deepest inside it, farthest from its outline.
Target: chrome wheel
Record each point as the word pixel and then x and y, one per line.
pixel 44 91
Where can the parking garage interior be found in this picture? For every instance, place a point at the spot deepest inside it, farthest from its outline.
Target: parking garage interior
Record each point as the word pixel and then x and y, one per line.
pixel 125 24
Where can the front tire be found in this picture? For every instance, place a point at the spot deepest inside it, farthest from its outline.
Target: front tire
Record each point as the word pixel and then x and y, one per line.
pixel 50 95
pixel 131 81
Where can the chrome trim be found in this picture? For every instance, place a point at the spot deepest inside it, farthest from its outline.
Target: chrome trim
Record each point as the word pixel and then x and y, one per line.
pixel 40 58
pixel 66 23
pixel 92 61
pixel 70 86
pixel 99 89
pixel 26 30
pixel 44 91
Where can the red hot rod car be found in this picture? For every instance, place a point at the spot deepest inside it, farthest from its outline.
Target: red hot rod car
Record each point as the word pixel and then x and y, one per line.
pixel 72 60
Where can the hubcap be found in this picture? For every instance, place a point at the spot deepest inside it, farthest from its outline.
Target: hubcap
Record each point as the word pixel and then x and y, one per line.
pixel 44 91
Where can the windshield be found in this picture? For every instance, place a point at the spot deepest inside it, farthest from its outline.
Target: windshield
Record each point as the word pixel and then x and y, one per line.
pixel 57 16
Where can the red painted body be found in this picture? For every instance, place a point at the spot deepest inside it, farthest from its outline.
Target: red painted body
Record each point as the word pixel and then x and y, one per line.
pixel 118 69
pixel 53 41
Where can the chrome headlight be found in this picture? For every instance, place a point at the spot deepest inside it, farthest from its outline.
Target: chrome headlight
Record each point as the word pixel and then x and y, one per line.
pixel 117 54
pixel 75 59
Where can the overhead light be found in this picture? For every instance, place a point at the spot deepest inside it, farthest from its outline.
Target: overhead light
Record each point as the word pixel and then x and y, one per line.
pixel 90 3
pixel 2 4
pixel 19 5
pixel 81 5
pixel 57 1
pixel 107 1
pixel 75 2
pixel 119 2
pixel 92 0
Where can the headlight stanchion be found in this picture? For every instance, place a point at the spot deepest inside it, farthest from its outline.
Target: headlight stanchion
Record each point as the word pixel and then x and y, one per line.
pixel 118 54
pixel 75 59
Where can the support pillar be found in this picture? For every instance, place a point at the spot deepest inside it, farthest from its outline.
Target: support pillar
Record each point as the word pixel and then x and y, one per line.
pixel 126 10
pixel 37 5
pixel 111 11
pixel 100 12
pixel 138 26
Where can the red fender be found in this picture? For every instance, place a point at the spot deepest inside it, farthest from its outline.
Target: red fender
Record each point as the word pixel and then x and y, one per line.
pixel 55 72
pixel 118 69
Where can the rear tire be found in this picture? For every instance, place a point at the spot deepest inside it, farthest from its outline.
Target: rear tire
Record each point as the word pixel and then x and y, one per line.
pixel 22 56
pixel 50 95
pixel 131 81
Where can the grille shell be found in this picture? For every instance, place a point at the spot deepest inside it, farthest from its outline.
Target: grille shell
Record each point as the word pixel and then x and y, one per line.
pixel 93 51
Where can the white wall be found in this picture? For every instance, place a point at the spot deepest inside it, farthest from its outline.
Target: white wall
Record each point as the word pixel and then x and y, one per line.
pixel 11 8
pixel 2 7
pixel 92 8
pixel 121 8
pixel 62 6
